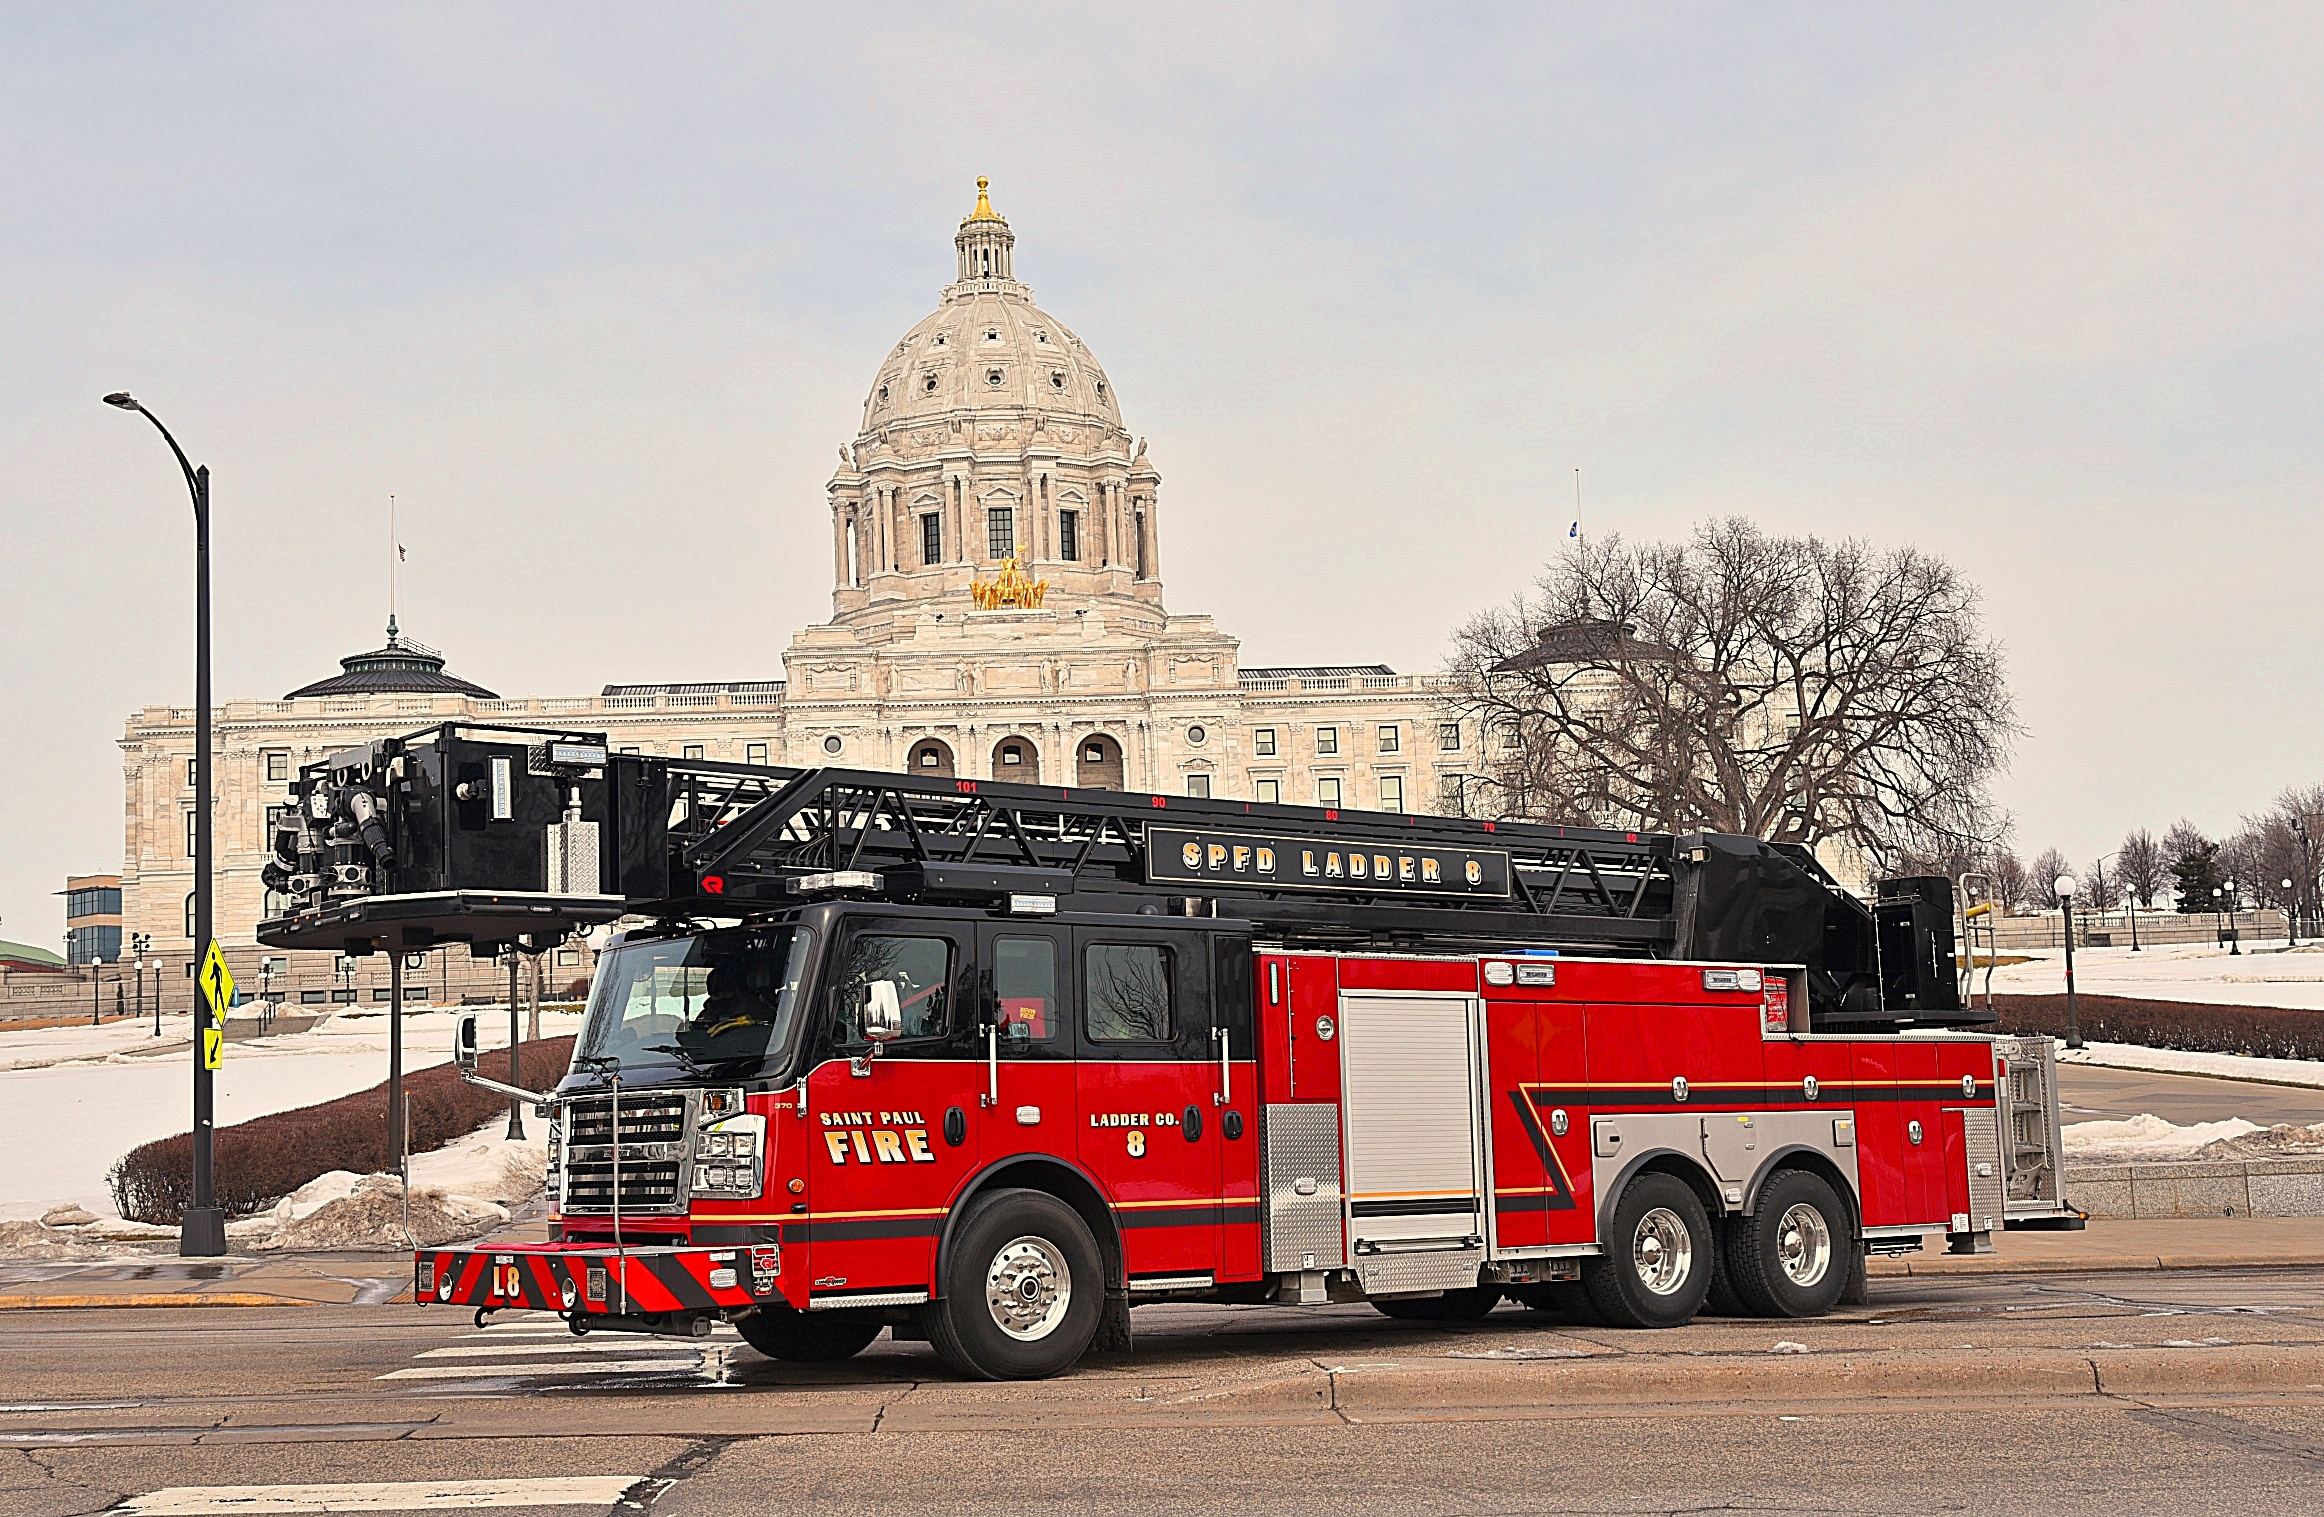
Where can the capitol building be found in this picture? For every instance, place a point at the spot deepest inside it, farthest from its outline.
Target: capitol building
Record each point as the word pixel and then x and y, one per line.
pixel 997 612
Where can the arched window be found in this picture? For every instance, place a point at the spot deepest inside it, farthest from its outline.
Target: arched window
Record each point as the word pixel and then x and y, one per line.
pixel 190 923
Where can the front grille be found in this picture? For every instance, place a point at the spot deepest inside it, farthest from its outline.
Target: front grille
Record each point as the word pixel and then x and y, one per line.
pixel 653 1155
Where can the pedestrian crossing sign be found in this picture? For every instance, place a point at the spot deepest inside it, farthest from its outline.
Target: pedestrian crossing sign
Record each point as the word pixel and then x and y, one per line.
pixel 217 983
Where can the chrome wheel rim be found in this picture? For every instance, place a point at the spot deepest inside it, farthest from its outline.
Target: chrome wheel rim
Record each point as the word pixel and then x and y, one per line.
pixel 1027 1287
pixel 1803 1244
pixel 1662 1251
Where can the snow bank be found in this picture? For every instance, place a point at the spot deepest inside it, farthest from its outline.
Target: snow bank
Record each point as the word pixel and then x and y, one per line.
pixel 2146 1138
pixel 458 1191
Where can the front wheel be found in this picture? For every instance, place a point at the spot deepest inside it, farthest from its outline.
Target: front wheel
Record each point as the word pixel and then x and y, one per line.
pixel 1465 1305
pixel 1023 1289
pixel 1657 1265
pixel 1792 1255
pixel 810 1337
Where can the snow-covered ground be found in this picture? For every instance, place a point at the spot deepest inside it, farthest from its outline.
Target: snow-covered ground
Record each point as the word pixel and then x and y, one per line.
pixel 2173 1061
pixel 2262 975
pixel 74 1099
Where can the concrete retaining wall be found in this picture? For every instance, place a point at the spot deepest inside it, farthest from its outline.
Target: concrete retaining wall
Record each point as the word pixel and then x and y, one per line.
pixel 2200 1188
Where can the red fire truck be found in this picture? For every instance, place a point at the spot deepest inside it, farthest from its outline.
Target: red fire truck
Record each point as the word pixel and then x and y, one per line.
pixel 991 1065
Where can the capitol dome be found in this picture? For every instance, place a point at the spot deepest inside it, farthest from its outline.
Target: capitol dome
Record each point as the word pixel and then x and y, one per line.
pixel 988 346
pixel 992 470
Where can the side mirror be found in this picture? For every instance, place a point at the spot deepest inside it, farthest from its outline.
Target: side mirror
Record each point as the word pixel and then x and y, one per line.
pixel 883 1013
pixel 464 1043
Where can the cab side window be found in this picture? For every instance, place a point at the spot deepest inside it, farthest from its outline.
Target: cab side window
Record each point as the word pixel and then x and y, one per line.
pixel 1025 985
pixel 1127 992
pixel 922 971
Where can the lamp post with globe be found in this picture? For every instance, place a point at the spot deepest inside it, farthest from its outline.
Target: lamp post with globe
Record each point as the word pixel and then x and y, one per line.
pixel 2066 907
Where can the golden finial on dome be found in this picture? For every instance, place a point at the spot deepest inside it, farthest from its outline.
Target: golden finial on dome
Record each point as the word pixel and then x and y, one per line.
pixel 984 204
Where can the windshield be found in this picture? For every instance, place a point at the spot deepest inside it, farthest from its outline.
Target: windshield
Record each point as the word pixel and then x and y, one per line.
pixel 732 994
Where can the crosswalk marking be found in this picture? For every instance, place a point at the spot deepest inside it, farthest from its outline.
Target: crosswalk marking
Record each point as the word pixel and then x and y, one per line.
pixel 592 1346
pixel 378 1496
pixel 592 1367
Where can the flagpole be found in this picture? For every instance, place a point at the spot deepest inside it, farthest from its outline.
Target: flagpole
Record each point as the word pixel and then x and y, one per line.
pixel 394 551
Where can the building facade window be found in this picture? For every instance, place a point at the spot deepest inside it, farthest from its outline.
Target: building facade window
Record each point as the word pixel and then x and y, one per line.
pixel 568 958
pixel 1327 739
pixel 931 540
pixel 631 748
pixel 1268 792
pixel 1012 755
pixel 1263 742
pixel 277 764
pixel 1327 791
pixel 1069 536
pixel 190 782
pixel 1510 738
pixel 1198 786
pixel 1000 533
pixel 1448 737
pixel 1391 792
pixel 754 753
pixel 1391 741
pixel 190 832
pixel 190 923
pixel 691 750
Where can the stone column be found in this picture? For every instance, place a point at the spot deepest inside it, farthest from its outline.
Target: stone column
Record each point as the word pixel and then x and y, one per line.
pixel 838 543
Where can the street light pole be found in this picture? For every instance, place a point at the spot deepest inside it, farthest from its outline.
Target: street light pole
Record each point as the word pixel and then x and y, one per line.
pixel 516 1111
pixel 2066 905
pixel 202 1233
pixel 2234 938
pixel 96 992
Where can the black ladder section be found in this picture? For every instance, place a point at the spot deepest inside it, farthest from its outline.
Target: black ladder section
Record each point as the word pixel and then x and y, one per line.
pixel 495 833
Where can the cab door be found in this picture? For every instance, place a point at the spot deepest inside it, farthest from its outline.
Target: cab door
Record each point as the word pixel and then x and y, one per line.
pixel 890 1134
pixel 1149 1128
pixel 1025 1041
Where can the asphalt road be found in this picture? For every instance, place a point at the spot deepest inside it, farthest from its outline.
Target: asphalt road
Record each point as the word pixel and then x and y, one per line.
pixel 2177 1391
pixel 2086 1093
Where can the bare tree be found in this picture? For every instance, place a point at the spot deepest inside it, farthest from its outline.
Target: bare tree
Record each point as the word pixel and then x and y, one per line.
pixel 2042 879
pixel 2100 889
pixel 1788 688
pixel 2012 882
pixel 2138 863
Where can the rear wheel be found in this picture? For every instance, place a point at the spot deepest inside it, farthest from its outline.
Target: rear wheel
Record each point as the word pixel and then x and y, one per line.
pixel 1023 1289
pixel 809 1337
pixel 1791 1257
pixel 1453 1306
pixel 1657 1265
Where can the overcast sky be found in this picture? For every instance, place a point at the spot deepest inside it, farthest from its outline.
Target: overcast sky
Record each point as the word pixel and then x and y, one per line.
pixel 598 291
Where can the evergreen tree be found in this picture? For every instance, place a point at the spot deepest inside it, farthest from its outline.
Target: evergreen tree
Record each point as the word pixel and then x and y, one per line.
pixel 2194 875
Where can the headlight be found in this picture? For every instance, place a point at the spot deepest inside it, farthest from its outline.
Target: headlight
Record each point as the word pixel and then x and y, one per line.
pixel 727 1158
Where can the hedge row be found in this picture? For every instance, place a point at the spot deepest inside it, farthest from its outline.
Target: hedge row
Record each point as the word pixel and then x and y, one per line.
pixel 257 1163
pixel 2266 1032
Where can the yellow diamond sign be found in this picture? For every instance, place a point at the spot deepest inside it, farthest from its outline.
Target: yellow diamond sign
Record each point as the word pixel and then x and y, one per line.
pixel 217 982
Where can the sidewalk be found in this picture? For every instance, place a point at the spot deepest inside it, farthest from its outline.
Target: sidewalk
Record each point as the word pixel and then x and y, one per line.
pixel 2190 1243
pixel 368 1279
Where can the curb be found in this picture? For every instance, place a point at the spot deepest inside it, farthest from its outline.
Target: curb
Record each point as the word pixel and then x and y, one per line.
pixel 149 1298
pixel 1989 1264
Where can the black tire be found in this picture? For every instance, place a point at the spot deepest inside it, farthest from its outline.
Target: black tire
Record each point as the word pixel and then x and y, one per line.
pixel 1657 1265
pixel 1026 1255
pixel 1564 1300
pixel 1791 1257
pixel 1467 1305
pixel 1721 1300
pixel 810 1337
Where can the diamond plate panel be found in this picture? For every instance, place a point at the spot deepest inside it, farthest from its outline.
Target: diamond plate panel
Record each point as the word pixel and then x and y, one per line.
pixel 1302 1144
pixel 1430 1271
pixel 1988 1201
